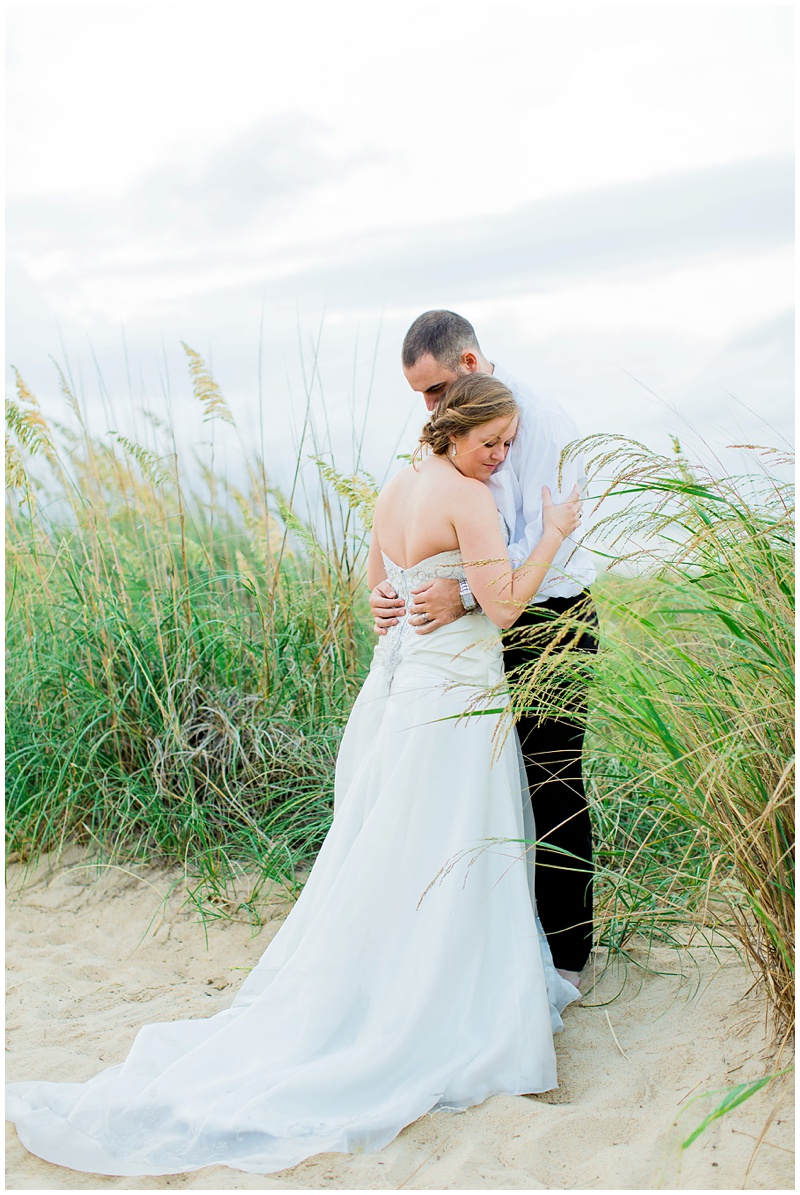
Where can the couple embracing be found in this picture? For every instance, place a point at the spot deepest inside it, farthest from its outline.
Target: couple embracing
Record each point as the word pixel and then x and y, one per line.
pixel 413 974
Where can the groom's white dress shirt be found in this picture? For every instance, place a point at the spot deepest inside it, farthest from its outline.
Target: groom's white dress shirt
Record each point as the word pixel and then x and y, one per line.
pixel 544 429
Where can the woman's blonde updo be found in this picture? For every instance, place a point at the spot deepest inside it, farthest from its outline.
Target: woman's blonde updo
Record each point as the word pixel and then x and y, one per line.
pixel 471 401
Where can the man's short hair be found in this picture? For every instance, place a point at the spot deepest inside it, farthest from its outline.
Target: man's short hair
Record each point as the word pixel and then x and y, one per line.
pixel 443 334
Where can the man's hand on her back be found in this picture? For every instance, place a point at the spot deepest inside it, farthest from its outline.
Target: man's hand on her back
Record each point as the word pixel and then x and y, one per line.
pixel 387 608
pixel 435 604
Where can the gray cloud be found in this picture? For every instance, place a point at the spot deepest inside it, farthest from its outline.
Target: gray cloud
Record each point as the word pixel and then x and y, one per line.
pixel 630 230
pixel 616 231
pixel 637 230
pixel 634 230
pixel 251 177
pixel 240 181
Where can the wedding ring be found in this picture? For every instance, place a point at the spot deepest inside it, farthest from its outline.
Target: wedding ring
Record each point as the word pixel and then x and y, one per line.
pixel 424 617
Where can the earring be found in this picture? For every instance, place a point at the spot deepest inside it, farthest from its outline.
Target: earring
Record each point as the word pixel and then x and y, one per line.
pixel 453 450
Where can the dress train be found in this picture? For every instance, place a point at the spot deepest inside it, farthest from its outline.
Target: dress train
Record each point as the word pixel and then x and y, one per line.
pixel 411 975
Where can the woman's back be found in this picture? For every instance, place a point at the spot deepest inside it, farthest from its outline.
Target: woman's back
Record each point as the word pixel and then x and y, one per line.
pixel 414 512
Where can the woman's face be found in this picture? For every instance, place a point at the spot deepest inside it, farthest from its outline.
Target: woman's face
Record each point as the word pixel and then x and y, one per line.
pixel 480 451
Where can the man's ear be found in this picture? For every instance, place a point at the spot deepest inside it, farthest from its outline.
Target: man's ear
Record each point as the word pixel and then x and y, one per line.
pixel 469 361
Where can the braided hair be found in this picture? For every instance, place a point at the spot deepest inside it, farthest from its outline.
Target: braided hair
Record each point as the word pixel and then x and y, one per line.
pixel 471 401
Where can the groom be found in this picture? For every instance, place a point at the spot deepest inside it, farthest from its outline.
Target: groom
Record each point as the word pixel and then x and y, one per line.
pixel 439 347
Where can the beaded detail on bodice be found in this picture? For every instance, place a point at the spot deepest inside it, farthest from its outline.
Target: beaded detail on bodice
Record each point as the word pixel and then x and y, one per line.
pixel 403 580
pixel 443 564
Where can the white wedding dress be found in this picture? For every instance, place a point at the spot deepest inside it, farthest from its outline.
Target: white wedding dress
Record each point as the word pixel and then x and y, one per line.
pixel 411 975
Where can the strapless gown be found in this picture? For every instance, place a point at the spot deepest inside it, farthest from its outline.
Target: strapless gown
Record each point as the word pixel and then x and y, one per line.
pixel 411 975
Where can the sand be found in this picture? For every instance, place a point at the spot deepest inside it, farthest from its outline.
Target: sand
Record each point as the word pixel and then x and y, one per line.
pixel 94 952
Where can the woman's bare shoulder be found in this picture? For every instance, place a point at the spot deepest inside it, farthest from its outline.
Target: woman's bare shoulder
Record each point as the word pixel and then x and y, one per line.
pixel 395 486
pixel 434 480
pixel 476 493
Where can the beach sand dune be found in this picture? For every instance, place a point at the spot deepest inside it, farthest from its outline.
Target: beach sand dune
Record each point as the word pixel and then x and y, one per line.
pixel 94 952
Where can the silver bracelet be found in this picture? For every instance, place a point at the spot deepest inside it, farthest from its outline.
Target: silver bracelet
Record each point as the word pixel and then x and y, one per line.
pixel 467 597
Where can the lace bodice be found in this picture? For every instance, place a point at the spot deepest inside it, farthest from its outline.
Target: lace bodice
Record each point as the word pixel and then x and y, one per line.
pixel 403 580
pixel 443 564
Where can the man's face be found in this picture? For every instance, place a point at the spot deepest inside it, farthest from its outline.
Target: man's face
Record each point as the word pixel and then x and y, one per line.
pixel 432 379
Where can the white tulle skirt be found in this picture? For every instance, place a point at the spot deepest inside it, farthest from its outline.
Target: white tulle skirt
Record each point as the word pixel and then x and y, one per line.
pixel 411 975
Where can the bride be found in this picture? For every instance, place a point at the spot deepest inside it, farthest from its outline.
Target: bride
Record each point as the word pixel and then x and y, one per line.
pixel 412 974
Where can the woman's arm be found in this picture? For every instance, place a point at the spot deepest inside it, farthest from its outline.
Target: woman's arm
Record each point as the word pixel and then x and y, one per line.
pixel 376 570
pixel 501 592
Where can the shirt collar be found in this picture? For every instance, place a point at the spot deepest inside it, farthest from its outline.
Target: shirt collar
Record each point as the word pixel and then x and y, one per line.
pixel 502 375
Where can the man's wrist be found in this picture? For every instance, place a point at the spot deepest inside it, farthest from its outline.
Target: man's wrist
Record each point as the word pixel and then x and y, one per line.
pixel 467 597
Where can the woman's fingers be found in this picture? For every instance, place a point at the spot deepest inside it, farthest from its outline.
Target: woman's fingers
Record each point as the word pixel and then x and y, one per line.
pixel 573 497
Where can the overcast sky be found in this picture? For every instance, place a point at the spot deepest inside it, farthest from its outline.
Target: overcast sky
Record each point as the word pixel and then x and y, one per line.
pixel 605 191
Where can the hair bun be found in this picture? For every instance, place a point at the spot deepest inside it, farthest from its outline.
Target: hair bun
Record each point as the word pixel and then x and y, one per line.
pixel 471 401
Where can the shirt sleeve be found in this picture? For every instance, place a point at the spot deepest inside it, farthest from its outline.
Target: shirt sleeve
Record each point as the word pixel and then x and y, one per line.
pixel 535 463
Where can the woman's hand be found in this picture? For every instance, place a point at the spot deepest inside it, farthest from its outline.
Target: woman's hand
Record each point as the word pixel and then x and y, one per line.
pixel 387 608
pixel 564 517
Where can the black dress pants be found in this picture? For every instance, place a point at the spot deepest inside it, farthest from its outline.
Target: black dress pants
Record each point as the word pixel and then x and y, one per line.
pixel 552 754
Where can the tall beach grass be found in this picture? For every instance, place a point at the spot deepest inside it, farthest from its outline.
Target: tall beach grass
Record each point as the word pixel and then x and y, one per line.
pixel 182 656
pixel 690 730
